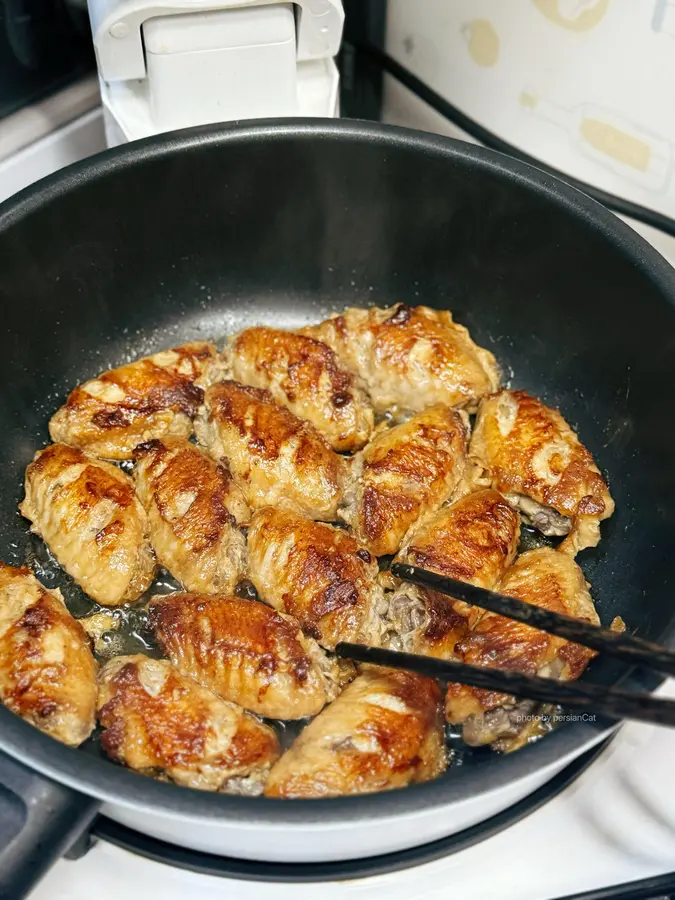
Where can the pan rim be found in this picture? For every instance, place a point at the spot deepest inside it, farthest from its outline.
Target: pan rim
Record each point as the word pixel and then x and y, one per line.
pixel 113 784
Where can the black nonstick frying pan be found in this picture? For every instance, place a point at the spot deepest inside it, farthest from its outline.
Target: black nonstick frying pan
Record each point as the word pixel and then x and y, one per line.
pixel 203 232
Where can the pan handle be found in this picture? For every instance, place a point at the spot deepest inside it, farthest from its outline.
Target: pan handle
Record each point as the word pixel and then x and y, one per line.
pixel 40 820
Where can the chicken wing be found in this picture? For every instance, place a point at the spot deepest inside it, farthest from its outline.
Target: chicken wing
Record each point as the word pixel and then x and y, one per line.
pixel 154 397
pixel 193 506
pixel 528 452
pixel 473 540
pixel 280 460
pixel 160 722
pixel 406 472
pixel 410 357
pixel 47 671
pixel 306 376
pixel 384 731
pixel 318 574
pixel 545 578
pixel 88 514
pixel 246 653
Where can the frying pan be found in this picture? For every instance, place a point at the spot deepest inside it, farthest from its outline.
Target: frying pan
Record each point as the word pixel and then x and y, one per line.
pixel 203 232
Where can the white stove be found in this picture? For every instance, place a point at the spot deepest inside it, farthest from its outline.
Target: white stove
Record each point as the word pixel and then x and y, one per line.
pixel 614 824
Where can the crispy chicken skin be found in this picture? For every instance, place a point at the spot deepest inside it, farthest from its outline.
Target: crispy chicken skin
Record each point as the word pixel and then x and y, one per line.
pixel 410 357
pixel 279 459
pixel 317 573
pixel 154 397
pixel 89 516
pixel 246 653
pixel 528 452
pixel 384 731
pixel 193 506
pixel 47 671
pixel 306 376
pixel 546 578
pixel 158 721
pixel 406 472
pixel 473 540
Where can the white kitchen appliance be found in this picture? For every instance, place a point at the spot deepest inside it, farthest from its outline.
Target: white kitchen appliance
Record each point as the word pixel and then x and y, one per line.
pixel 583 86
pixel 167 64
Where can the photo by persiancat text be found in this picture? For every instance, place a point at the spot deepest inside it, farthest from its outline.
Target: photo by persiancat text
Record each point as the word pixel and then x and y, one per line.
pixel 557 718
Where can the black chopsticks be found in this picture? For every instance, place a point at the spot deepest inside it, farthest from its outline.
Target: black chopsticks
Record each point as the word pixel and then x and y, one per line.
pixel 626 647
pixel 612 703
pixel 590 698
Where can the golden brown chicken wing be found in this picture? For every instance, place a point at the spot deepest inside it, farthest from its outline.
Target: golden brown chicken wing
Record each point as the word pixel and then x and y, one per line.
pixel 411 357
pixel 473 540
pixel 279 459
pixel 545 578
pixel 318 574
pixel 247 653
pixel 404 473
pixel 154 397
pixel 528 452
pixel 193 506
pixel 384 731
pixel 88 514
pixel 160 722
pixel 305 375
pixel 47 671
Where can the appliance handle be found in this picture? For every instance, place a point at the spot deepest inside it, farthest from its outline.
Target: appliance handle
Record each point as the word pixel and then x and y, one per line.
pixel 117 27
pixel 40 820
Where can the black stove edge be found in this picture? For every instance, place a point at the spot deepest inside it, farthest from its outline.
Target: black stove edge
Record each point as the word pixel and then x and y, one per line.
pixel 659 887
pixel 246 870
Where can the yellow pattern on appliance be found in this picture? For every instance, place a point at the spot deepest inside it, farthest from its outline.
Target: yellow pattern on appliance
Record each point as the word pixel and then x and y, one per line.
pixel 575 15
pixel 482 41
pixel 627 149
pixel 624 147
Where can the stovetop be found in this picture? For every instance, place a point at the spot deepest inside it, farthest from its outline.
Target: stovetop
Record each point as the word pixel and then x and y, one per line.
pixel 614 824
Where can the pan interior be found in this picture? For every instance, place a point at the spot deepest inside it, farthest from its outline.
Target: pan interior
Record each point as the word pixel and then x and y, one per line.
pixel 284 228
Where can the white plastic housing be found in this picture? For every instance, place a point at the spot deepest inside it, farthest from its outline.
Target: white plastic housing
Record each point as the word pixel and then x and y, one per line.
pixel 219 66
pixel 166 64
pixel 117 28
